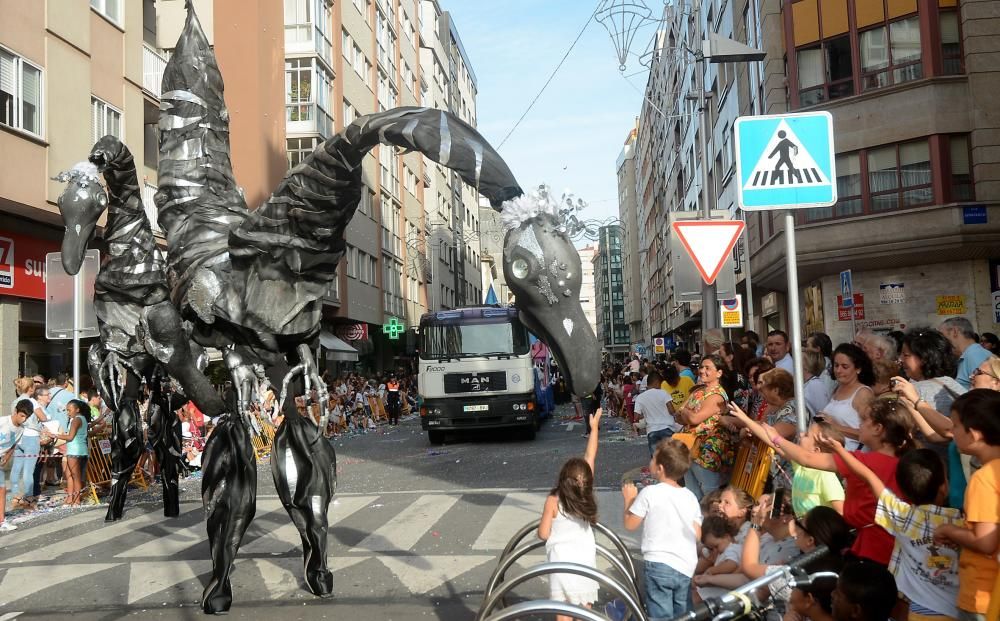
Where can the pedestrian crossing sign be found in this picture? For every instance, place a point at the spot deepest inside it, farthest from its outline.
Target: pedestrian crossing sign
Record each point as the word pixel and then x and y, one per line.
pixel 785 161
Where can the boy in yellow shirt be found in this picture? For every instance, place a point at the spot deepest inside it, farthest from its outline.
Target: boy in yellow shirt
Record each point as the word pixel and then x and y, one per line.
pixel 676 385
pixel 976 430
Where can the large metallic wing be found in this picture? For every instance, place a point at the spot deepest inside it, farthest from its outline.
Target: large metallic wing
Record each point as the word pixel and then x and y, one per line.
pixel 285 253
pixel 198 201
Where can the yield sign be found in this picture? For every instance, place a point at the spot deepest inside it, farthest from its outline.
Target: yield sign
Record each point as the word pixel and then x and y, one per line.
pixel 709 243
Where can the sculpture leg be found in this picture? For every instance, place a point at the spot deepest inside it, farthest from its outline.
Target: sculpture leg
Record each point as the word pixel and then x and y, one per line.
pixel 166 430
pixel 229 493
pixel 304 467
pixel 126 449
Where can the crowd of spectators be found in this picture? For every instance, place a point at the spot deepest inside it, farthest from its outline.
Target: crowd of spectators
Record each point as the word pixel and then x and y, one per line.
pixel 898 472
pixel 44 445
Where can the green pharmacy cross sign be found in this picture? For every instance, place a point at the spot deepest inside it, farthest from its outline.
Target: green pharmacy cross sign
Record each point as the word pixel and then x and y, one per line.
pixel 394 328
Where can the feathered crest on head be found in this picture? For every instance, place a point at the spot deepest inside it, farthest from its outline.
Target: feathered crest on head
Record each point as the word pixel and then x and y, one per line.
pixel 83 173
pixel 542 201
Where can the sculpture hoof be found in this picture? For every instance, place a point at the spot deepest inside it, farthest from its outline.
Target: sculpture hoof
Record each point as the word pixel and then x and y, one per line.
pixel 218 598
pixel 111 516
pixel 320 582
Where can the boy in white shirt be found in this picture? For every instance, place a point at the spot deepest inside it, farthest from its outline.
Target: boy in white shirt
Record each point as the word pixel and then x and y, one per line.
pixel 10 434
pixel 656 407
pixel 671 534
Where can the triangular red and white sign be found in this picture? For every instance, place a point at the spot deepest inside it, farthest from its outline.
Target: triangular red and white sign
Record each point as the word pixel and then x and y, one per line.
pixel 709 243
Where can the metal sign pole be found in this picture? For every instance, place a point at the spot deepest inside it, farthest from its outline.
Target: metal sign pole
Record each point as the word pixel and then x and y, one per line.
pixel 748 324
pixel 77 327
pixel 791 266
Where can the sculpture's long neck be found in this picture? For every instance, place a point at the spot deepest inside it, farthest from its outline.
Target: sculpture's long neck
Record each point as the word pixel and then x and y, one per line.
pixel 132 265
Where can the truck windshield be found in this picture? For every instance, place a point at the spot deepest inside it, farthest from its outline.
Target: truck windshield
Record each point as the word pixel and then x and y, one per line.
pixel 475 339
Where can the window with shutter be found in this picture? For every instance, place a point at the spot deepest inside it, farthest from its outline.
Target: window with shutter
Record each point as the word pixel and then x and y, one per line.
pixel 7 93
pixel 20 93
pixel 105 119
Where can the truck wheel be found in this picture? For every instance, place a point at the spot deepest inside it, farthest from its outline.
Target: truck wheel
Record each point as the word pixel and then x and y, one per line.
pixel 436 437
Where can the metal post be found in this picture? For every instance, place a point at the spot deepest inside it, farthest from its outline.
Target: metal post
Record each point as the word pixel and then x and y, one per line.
pixel 709 298
pixel 77 321
pixel 749 283
pixel 791 266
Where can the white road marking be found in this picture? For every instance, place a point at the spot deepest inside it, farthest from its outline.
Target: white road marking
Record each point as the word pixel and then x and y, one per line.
pixel 405 529
pixel 516 511
pixel 422 574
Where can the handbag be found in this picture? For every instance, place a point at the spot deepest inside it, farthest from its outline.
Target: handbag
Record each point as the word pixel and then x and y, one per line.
pixel 687 439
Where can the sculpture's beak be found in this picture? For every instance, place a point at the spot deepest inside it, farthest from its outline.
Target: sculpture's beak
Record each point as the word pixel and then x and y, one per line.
pixel 543 269
pixel 81 205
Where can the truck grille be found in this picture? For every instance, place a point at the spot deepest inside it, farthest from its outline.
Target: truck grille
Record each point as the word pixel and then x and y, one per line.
pixel 491 381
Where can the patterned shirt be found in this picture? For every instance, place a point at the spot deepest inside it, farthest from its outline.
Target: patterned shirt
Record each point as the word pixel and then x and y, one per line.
pixel 715 446
pixel 926 573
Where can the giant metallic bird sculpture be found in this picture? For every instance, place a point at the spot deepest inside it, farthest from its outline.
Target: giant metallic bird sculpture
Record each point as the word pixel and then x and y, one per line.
pixel 252 282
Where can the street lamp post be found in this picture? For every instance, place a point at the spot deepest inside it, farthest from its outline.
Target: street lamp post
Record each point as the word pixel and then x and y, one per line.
pixel 715 50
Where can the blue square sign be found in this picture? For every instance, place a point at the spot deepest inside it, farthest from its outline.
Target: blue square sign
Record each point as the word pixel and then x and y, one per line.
pixel 785 161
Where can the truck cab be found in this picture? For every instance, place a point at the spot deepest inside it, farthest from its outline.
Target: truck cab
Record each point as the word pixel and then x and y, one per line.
pixel 475 372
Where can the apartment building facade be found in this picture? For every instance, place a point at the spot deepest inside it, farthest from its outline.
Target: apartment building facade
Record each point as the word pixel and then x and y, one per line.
pixel 451 232
pixel 631 257
pixel 909 84
pixel 588 286
pixel 612 330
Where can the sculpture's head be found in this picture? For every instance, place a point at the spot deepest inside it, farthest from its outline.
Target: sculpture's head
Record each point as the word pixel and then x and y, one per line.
pixel 81 205
pixel 542 267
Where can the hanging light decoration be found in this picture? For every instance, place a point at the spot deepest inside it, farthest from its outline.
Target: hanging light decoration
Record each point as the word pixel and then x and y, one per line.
pixel 623 19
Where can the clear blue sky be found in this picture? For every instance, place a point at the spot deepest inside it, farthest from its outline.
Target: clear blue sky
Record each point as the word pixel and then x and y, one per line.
pixel 575 132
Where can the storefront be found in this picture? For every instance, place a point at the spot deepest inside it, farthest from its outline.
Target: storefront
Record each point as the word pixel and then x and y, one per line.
pixel 24 350
pixel 918 296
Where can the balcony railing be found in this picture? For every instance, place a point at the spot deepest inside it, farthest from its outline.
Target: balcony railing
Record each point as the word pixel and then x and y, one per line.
pixel 153 64
pixel 148 190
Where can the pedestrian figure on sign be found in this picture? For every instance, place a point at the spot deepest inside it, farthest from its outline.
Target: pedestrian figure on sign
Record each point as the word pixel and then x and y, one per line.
pixel 782 150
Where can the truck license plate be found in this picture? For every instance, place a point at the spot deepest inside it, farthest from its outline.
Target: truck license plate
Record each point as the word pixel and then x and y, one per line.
pixel 477 408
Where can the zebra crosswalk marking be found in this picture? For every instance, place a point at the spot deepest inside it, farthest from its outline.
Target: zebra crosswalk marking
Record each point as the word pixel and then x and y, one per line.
pixel 285 538
pixel 101 535
pixel 19 583
pixel 516 510
pixel 282 577
pixel 405 530
pixel 147 578
pixel 423 574
pixel 423 566
pixel 92 514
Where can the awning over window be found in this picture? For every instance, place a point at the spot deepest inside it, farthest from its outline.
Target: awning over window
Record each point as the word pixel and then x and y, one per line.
pixel 337 349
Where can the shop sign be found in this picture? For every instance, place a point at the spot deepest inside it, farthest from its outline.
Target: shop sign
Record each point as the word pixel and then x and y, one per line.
pixel 891 293
pixel 353 332
pixel 844 314
pixel 731 312
pixel 22 265
pixel 951 305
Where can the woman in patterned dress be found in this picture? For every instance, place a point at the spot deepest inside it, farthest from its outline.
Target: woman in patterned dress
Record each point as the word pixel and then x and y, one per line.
pixel 715 445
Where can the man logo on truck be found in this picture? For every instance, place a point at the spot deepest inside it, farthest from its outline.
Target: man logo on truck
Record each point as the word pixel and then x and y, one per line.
pixel 476 383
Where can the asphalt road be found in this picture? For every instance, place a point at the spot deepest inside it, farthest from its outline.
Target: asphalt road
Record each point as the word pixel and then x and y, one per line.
pixel 415 532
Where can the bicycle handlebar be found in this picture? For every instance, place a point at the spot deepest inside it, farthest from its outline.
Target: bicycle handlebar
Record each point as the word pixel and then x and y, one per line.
pixel 737 602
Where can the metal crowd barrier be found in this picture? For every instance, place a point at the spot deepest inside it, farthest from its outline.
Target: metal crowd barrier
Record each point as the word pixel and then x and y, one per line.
pixel 631 602
pixel 497 588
